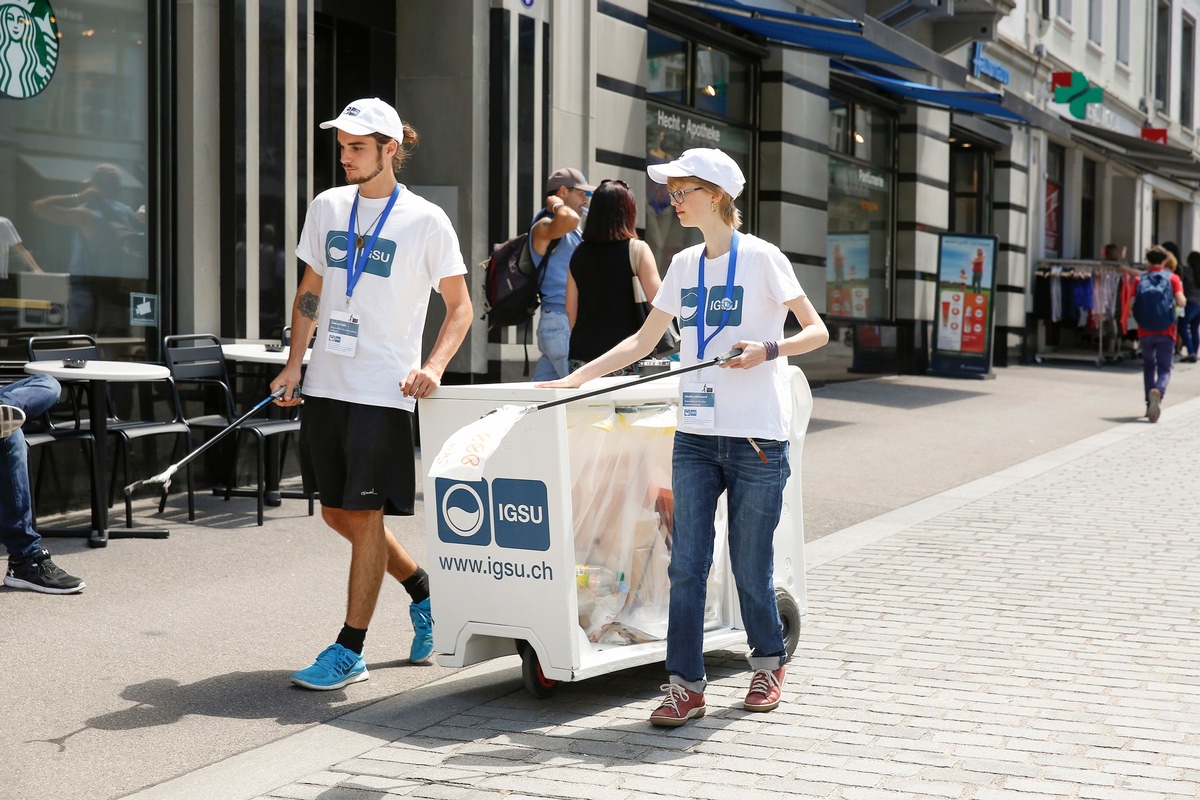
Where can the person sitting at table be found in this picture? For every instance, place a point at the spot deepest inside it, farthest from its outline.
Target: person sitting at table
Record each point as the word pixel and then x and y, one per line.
pixel 29 564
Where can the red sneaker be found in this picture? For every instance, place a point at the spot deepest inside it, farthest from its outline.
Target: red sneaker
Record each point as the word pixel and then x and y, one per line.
pixel 679 706
pixel 765 688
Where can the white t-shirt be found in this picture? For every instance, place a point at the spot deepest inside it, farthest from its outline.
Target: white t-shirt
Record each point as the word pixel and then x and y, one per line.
pixel 416 249
pixel 754 402
pixel 8 237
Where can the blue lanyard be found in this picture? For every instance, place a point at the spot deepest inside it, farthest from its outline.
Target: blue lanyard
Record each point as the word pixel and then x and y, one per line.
pixel 701 340
pixel 358 263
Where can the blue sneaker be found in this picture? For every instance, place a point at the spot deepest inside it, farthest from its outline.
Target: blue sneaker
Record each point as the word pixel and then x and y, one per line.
pixel 422 622
pixel 334 668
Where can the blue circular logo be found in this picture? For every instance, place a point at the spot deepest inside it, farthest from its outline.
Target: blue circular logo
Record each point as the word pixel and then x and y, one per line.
pixel 462 509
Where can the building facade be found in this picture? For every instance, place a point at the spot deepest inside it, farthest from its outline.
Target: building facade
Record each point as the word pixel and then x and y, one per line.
pixel 156 158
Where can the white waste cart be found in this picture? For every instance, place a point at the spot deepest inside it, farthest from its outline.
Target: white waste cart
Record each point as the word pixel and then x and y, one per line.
pixel 559 551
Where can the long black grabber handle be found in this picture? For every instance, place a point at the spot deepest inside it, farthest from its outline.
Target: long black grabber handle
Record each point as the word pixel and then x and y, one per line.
pixel 164 478
pixel 712 362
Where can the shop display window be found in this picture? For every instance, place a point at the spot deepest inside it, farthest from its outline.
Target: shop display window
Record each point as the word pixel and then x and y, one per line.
pixel 859 243
pixel 698 96
pixel 75 203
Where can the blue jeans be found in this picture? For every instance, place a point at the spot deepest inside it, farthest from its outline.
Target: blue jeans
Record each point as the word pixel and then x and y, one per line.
pixel 1158 350
pixel 554 340
pixel 1190 327
pixel 35 396
pixel 702 468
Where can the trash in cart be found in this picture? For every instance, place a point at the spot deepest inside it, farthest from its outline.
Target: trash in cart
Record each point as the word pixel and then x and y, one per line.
pixel 557 548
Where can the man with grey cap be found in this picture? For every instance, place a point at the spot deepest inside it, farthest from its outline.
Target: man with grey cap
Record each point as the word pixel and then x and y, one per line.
pixel 567 196
pixel 374 251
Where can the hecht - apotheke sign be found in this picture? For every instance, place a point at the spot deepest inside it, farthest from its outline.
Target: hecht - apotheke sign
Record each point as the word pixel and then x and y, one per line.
pixel 28 47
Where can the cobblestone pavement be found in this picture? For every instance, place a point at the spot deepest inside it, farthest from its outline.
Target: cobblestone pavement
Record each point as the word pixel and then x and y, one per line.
pixel 1030 635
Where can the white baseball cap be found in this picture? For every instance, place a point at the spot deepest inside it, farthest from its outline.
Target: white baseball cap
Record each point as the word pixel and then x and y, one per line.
pixel 708 163
pixel 366 116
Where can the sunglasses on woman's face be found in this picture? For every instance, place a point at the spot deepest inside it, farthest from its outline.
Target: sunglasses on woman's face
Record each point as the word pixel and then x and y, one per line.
pixel 620 183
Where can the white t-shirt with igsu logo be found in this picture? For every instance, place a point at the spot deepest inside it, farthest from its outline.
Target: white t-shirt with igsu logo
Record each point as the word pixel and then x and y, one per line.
pixel 749 402
pixel 417 247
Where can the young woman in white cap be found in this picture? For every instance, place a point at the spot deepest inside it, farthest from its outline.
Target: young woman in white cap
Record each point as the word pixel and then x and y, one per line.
pixel 733 291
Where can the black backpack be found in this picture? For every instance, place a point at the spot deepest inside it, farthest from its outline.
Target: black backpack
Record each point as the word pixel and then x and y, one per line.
pixel 512 285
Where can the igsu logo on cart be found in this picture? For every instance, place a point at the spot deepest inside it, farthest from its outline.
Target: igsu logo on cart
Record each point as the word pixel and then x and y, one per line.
pixel 512 510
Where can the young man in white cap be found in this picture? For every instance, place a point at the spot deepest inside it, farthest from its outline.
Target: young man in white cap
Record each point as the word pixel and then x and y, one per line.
pixel 567 196
pixel 731 292
pixel 373 251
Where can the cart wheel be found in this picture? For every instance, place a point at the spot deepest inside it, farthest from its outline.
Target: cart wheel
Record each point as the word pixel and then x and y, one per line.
pixel 789 615
pixel 531 672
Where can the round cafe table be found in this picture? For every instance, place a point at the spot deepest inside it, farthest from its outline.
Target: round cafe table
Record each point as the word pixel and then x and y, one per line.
pixel 97 374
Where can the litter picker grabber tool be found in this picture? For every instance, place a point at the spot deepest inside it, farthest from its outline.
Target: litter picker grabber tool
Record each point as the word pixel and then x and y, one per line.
pixel 164 478
pixel 464 454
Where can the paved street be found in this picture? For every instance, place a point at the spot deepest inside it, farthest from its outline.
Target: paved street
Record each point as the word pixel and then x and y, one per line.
pixel 1025 630
pixel 1028 634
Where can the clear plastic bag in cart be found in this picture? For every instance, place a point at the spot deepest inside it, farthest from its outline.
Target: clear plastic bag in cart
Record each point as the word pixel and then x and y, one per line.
pixel 623 513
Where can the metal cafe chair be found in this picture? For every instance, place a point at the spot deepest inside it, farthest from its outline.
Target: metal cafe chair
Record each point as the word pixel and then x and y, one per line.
pixel 124 432
pixel 197 363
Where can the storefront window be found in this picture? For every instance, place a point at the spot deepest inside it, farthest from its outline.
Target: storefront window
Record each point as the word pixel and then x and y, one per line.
pixel 721 85
pixel 970 188
pixel 1055 157
pixel 666 63
pixel 859 241
pixel 706 96
pixel 73 175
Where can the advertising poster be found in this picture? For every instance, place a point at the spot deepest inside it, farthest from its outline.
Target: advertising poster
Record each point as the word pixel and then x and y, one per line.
pixel 965 286
pixel 846 259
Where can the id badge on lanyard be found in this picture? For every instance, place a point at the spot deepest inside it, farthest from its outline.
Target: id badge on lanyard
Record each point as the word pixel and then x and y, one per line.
pixel 342 337
pixel 698 406
pixel 699 399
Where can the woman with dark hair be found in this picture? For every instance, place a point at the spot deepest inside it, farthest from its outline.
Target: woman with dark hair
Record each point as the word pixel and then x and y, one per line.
pixel 600 300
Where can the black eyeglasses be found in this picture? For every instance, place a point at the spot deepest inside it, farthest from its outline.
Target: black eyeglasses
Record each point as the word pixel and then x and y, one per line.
pixel 617 181
pixel 678 195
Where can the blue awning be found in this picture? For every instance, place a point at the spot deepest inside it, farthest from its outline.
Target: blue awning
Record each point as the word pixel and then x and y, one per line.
pixel 985 103
pixel 835 37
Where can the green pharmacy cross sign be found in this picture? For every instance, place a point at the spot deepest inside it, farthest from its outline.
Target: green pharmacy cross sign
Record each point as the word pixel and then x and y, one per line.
pixel 1073 89
pixel 28 47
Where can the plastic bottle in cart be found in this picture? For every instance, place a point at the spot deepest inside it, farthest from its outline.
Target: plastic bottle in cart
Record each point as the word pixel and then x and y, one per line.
pixel 600 581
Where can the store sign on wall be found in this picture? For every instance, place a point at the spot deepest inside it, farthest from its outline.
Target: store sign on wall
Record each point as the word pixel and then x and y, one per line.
pixel 982 65
pixel 1074 89
pixel 28 47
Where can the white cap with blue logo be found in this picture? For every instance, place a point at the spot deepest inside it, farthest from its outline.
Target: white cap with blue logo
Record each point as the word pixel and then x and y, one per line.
pixel 367 116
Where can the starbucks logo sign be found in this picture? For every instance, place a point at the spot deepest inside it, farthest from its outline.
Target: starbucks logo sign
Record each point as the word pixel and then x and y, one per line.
pixel 28 47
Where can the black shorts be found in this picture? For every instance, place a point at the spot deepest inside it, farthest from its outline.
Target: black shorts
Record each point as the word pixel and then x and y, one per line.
pixel 359 457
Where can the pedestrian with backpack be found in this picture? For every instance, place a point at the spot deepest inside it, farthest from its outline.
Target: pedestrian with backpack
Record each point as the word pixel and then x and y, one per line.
pixel 567 197
pixel 1159 292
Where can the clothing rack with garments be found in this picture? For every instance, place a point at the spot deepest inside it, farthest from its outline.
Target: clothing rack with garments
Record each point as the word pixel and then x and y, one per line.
pixel 1082 309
